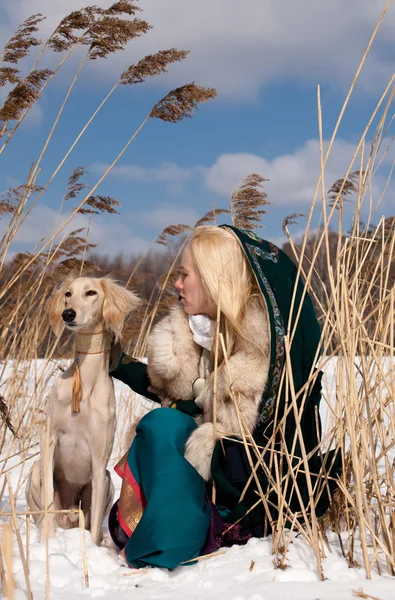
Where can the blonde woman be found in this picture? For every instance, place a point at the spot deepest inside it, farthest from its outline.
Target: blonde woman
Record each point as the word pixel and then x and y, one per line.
pixel 218 359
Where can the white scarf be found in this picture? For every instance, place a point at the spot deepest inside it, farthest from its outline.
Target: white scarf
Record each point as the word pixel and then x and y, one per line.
pixel 201 327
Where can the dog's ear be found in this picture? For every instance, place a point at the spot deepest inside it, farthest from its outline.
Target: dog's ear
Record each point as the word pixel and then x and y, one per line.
pixel 118 303
pixel 55 307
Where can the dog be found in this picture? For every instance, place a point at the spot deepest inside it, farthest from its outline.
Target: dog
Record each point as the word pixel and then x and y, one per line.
pixel 81 408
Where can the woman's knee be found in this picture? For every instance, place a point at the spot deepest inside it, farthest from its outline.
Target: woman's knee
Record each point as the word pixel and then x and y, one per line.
pixel 168 419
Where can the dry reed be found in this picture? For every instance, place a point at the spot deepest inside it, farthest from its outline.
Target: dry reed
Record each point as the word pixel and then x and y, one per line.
pixel 350 276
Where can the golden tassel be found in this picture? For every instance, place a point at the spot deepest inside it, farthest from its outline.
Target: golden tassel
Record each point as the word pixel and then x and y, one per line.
pixel 77 390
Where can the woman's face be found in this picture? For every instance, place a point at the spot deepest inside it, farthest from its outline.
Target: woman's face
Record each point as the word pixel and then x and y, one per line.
pixel 192 293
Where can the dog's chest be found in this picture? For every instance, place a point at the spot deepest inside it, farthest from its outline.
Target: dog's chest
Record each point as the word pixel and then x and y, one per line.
pixel 88 424
pixel 73 459
pixel 97 399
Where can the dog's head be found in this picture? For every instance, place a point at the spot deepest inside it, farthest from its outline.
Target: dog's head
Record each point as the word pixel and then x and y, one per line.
pixel 84 303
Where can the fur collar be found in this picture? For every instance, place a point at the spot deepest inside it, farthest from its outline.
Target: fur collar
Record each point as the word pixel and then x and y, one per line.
pixel 173 366
pixel 173 357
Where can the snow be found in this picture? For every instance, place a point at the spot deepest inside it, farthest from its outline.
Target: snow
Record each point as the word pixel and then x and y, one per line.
pixel 238 573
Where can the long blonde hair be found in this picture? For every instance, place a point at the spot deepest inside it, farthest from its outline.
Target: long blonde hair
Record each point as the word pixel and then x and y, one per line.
pixel 226 277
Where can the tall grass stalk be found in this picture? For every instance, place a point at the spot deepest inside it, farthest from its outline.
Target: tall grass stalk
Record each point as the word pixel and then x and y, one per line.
pixel 356 302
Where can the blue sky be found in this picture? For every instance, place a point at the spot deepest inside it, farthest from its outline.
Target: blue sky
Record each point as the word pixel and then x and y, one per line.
pixel 264 58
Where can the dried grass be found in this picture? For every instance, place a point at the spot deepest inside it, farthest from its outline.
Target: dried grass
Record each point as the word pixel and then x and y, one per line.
pixel 349 274
pixel 29 277
pixel 247 201
pixel 181 103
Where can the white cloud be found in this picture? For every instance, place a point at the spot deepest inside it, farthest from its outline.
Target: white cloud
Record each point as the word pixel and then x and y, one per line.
pixel 293 180
pixel 293 177
pixel 172 175
pixel 241 46
pixel 170 215
pixel 35 116
pixel 112 234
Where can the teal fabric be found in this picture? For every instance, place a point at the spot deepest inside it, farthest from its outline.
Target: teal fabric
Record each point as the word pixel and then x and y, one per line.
pixel 176 520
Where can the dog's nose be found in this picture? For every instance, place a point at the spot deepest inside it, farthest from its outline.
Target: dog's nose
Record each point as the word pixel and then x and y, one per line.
pixel 69 315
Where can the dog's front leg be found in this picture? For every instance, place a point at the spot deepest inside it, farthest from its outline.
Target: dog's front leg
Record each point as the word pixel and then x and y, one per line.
pixel 48 523
pixel 99 486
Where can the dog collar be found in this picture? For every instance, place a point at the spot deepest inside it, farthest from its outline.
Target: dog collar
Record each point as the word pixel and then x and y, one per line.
pixel 93 343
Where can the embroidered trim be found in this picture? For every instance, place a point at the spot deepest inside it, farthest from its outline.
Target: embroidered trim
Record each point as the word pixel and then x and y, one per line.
pixel 132 502
pixel 268 405
pixel 273 255
pixel 252 235
pixel 93 343
pixel 128 359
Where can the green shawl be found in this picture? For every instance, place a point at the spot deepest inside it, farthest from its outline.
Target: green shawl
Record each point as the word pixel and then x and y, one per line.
pixel 277 276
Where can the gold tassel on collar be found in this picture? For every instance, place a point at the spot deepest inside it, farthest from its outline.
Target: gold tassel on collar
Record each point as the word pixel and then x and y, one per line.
pixel 77 388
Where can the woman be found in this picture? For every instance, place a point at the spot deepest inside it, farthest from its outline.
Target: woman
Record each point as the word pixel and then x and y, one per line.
pixel 226 415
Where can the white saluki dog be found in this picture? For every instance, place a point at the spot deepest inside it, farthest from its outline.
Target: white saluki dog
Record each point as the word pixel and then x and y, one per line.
pixel 81 408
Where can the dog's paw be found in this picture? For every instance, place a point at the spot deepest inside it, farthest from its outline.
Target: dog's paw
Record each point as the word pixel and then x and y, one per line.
pixel 107 542
pixel 199 449
pixel 69 520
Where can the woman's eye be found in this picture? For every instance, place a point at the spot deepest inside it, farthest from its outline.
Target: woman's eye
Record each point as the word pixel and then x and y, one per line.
pixel 68 294
pixel 91 293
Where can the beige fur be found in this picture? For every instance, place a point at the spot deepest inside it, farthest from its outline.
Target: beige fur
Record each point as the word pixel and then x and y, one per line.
pixel 174 366
pixel 80 444
pixel 173 358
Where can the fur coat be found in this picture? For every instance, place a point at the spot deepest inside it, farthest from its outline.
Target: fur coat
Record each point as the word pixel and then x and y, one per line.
pixel 173 367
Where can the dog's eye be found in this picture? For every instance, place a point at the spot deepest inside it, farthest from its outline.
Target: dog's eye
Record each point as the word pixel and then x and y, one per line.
pixel 68 294
pixel 91 293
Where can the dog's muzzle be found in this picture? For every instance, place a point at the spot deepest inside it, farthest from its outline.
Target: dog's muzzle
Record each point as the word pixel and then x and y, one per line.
pixel 69 315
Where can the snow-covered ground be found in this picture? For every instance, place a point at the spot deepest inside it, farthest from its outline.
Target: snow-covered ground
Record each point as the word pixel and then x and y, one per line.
pixel 238 573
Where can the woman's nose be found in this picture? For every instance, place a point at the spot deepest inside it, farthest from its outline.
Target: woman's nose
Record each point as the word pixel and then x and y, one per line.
pixel 178 284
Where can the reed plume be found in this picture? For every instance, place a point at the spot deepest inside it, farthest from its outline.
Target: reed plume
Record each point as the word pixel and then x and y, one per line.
pixel 152 65
pixel 22 42
pixel 109 33
pixel 23 96
pixel 291 220
pixel 94 205
pixel 13 197
pixel 340 191
pixel 181 103
pixel 172 230
pixel 246 202
pixel 74 184
pixel 211 216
